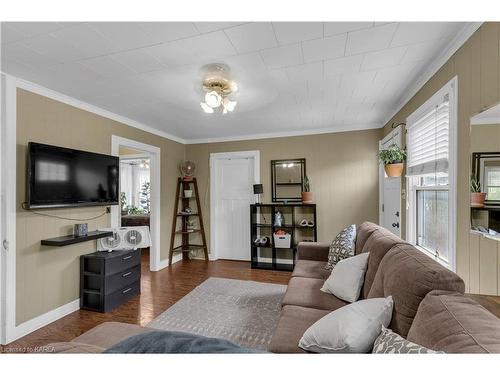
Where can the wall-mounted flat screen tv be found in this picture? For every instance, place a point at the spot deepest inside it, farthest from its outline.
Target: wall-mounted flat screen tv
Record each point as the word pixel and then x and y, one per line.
pixel 63 177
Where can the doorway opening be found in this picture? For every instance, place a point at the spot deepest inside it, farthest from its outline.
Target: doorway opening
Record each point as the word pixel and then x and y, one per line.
pixel 135 190
pixel 139 192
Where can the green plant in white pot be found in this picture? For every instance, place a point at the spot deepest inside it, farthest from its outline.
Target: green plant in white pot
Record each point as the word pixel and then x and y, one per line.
pixel 477 197
pixel 393 159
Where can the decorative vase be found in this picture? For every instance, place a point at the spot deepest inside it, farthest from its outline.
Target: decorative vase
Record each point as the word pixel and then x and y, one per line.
pixel 188 193
pixel 394 170
pixel 477 199
pixel 307 197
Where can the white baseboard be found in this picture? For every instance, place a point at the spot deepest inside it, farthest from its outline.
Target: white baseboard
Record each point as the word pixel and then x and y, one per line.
pixel 164 263
pixel 40 321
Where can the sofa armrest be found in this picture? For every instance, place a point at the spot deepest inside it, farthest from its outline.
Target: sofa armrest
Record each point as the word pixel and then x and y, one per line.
pixel 313 251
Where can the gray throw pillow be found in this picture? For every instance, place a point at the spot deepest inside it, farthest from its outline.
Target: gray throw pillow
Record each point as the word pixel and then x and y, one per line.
pixel 389 342
pixel 342 246
pixel 350 329
pixel 346 279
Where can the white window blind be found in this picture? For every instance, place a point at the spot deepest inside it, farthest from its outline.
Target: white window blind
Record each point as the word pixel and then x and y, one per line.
pixel 428 141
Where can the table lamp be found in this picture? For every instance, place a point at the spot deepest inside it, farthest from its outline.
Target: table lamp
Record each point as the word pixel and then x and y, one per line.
pixel 258 190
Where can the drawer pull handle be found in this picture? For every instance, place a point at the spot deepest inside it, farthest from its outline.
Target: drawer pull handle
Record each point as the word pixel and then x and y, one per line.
pixel 127 274
pixel 127 257
pixel 127 290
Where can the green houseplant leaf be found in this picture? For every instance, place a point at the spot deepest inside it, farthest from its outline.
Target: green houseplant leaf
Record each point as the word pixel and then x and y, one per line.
pixel 475 185
pixel 394 154
pixel 307 185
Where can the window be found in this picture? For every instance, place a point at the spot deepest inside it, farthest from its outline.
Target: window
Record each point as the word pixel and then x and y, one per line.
pixel 135 184
pixel 431 176
pixel 492 183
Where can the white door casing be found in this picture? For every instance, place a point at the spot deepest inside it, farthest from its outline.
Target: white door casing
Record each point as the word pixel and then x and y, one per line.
pixel 390 188
pixel 8 209
pixel 153 152
pixel 231 178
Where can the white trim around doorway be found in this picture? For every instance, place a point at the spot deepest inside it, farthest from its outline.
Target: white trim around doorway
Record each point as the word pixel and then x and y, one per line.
pixel 255 155
pixel 8 329
pixel 153 153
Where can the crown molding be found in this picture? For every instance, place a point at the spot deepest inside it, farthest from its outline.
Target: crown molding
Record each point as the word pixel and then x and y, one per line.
pixel 295 133
pixel 77 103
pixel 457 42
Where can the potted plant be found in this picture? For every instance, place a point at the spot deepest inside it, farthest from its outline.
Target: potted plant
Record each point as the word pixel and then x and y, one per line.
pixel 306 191
pixel 134 210
pixel 123 203
pixel 393 159
pixel 477 197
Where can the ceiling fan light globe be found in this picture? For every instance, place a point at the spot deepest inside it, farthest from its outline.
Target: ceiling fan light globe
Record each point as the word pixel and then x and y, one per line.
pixel 231 105
pixel 206 108
pixel 213 99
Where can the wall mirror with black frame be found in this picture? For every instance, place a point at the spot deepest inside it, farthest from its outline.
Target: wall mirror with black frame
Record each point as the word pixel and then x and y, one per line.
pixel 287 179
pixel 485 171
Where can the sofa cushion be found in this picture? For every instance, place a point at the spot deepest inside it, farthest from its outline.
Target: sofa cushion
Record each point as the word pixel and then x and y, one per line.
pixel 107 334
pixel 313 251
pixel 407 275
pixel 71 348
pixel 378 244
pixel 302 291
pixel 454 323
pixel 365 230
pixel 293 322
pixel 311 268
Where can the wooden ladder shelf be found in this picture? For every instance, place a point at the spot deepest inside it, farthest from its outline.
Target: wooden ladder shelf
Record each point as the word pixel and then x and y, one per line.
pixel 184 231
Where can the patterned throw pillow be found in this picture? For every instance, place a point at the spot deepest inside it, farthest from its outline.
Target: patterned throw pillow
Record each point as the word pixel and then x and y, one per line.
pixel 342 246
pixel 389 342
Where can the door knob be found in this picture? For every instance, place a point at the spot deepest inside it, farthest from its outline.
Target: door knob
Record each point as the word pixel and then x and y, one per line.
pixel 397 213
pixel 395 225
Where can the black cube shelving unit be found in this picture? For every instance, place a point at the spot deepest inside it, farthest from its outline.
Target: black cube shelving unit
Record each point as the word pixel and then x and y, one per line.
pixel 262 225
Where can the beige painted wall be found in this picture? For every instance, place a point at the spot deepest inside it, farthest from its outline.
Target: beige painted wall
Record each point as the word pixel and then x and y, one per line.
pixel 122 150
pixel 477 66
pixel 48 277
pixel 342 166
pixel 485 138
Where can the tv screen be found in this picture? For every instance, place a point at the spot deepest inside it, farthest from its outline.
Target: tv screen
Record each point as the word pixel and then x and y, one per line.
pixel 63 177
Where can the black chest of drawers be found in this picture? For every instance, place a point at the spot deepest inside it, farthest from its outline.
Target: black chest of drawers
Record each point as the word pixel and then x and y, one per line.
pixel 109 279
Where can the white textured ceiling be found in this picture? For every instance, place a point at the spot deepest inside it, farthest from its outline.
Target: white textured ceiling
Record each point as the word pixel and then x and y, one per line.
pixel 292 76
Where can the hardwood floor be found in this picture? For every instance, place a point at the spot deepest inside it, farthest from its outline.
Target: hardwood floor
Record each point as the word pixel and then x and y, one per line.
pixel 160 290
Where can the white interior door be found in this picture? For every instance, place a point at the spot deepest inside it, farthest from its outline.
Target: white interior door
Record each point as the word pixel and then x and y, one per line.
pixel 390 189
pixel 232 182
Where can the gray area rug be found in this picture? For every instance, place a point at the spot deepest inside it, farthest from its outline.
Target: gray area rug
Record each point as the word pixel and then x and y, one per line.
pixel 244 312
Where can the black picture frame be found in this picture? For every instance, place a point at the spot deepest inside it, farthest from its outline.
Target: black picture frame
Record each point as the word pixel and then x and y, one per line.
pixel 476 169
pixel 274 165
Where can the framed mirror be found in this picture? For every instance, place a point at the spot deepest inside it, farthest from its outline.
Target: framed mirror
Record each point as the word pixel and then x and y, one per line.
pixel 287 179
pixel 485 171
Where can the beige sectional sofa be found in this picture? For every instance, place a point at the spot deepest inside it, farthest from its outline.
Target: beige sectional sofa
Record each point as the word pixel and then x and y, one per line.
pixel 429 306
